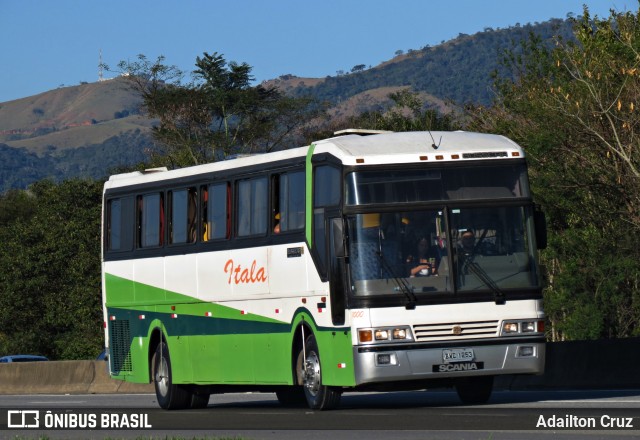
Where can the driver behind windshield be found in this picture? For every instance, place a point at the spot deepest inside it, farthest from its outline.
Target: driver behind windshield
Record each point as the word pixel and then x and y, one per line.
pixel 424 263
pixel 467 242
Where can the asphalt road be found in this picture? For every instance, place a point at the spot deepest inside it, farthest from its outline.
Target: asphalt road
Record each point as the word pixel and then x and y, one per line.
pixel 402 415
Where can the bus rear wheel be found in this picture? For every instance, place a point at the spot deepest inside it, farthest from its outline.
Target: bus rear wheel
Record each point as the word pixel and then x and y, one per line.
pixel 318 396
pixel 474 390
pixel 169 395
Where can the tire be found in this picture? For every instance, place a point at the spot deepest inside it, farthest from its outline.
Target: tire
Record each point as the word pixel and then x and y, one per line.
pixel 292 396
pixel 474 390
pixel 318 396
pixel 199 400
pixel 169 395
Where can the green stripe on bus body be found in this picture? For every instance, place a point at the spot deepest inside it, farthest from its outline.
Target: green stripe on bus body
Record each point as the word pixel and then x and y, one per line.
pixel 191 325
pixel 186 324
pixel 309 195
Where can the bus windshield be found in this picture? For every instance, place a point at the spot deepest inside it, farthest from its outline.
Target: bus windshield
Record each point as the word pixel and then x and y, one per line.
pixel 442 250
pixel 494 181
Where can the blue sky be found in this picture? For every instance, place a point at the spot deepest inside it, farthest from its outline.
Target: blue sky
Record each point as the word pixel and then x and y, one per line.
pixel 45 44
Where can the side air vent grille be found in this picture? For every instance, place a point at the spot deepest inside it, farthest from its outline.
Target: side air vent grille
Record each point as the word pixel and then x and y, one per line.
pixel 120 342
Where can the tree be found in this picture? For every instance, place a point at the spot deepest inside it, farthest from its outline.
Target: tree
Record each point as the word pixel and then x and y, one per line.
pixel 573 107
pixel 15 205
pixel 217 114
pixel 50 301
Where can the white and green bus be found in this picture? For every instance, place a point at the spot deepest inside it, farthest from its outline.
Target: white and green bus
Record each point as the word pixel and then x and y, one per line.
pixel 367 261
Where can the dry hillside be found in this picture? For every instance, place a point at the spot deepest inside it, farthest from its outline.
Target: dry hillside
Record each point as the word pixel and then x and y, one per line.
pixel 71 117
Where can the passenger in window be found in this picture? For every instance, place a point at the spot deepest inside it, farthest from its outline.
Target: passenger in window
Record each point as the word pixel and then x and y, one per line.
pixel 206 227
pixel 425 262
pixel 191 216
pixel 276 228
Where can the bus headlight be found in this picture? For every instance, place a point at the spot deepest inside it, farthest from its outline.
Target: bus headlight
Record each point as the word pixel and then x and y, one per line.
pixel 381 334
pixel 384 334
pixel 399 333
pixel 520 327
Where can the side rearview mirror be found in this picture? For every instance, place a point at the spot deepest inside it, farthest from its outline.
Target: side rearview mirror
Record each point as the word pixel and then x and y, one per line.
pixel 540 223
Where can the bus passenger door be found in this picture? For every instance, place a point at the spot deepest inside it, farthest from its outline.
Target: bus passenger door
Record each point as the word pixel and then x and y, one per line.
pixel 336 272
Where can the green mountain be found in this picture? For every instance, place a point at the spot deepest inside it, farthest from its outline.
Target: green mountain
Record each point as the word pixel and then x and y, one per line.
pixel 457 71
pixel 90 129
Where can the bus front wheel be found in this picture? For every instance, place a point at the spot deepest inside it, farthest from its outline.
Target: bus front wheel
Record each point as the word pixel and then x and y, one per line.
pixel 292 396
pixel 318 396
pixel 474 390
pixel 169 395
pixel 199 399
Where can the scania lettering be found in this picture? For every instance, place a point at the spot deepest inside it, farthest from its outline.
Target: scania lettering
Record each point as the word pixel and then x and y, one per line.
pixel 366 261
pixel 462 366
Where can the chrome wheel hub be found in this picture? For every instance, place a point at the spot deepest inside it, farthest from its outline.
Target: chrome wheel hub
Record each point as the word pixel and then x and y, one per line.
pixel 162 379
pixel 312 373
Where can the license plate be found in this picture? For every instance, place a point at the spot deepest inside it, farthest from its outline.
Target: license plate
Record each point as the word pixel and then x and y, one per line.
pixel 457 355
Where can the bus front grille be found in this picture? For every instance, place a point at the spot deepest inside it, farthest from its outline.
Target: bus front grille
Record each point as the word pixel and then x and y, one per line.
pixel 452 331
pixel 120 343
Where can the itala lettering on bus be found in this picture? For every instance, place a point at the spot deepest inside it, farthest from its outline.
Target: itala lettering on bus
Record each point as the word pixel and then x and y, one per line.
pixel 240 275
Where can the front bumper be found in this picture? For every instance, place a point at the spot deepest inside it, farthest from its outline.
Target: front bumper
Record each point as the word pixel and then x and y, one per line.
pixel 379 364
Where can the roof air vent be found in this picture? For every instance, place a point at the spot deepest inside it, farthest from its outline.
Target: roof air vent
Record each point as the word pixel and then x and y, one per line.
pixel 358 131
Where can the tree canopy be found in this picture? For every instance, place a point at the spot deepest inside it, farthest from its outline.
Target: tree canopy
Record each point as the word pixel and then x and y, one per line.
pixel 574 109
pixel 50 301
pixel 217 114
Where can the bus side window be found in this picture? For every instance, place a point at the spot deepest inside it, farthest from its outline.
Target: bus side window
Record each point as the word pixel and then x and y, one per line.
pixel 119 226
pixel 192 215
pixel 215 211
pixel 182 216
pixel 150 220
pixel 288 201
pixel 252 207
pixel 114 225
pixel 276 204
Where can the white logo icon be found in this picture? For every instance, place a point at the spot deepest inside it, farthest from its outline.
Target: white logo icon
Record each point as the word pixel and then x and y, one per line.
pixel 23 419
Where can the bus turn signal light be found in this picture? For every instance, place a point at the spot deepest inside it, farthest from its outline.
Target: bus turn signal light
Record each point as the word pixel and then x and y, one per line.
pixel 365 335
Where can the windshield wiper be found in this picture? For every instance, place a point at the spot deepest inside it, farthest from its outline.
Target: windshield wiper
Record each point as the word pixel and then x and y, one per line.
pixel 478 271
pixel 401 282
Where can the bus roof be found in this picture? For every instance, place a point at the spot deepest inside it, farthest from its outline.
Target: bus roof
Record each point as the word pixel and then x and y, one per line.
pixel 356 149
pixel 408 147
